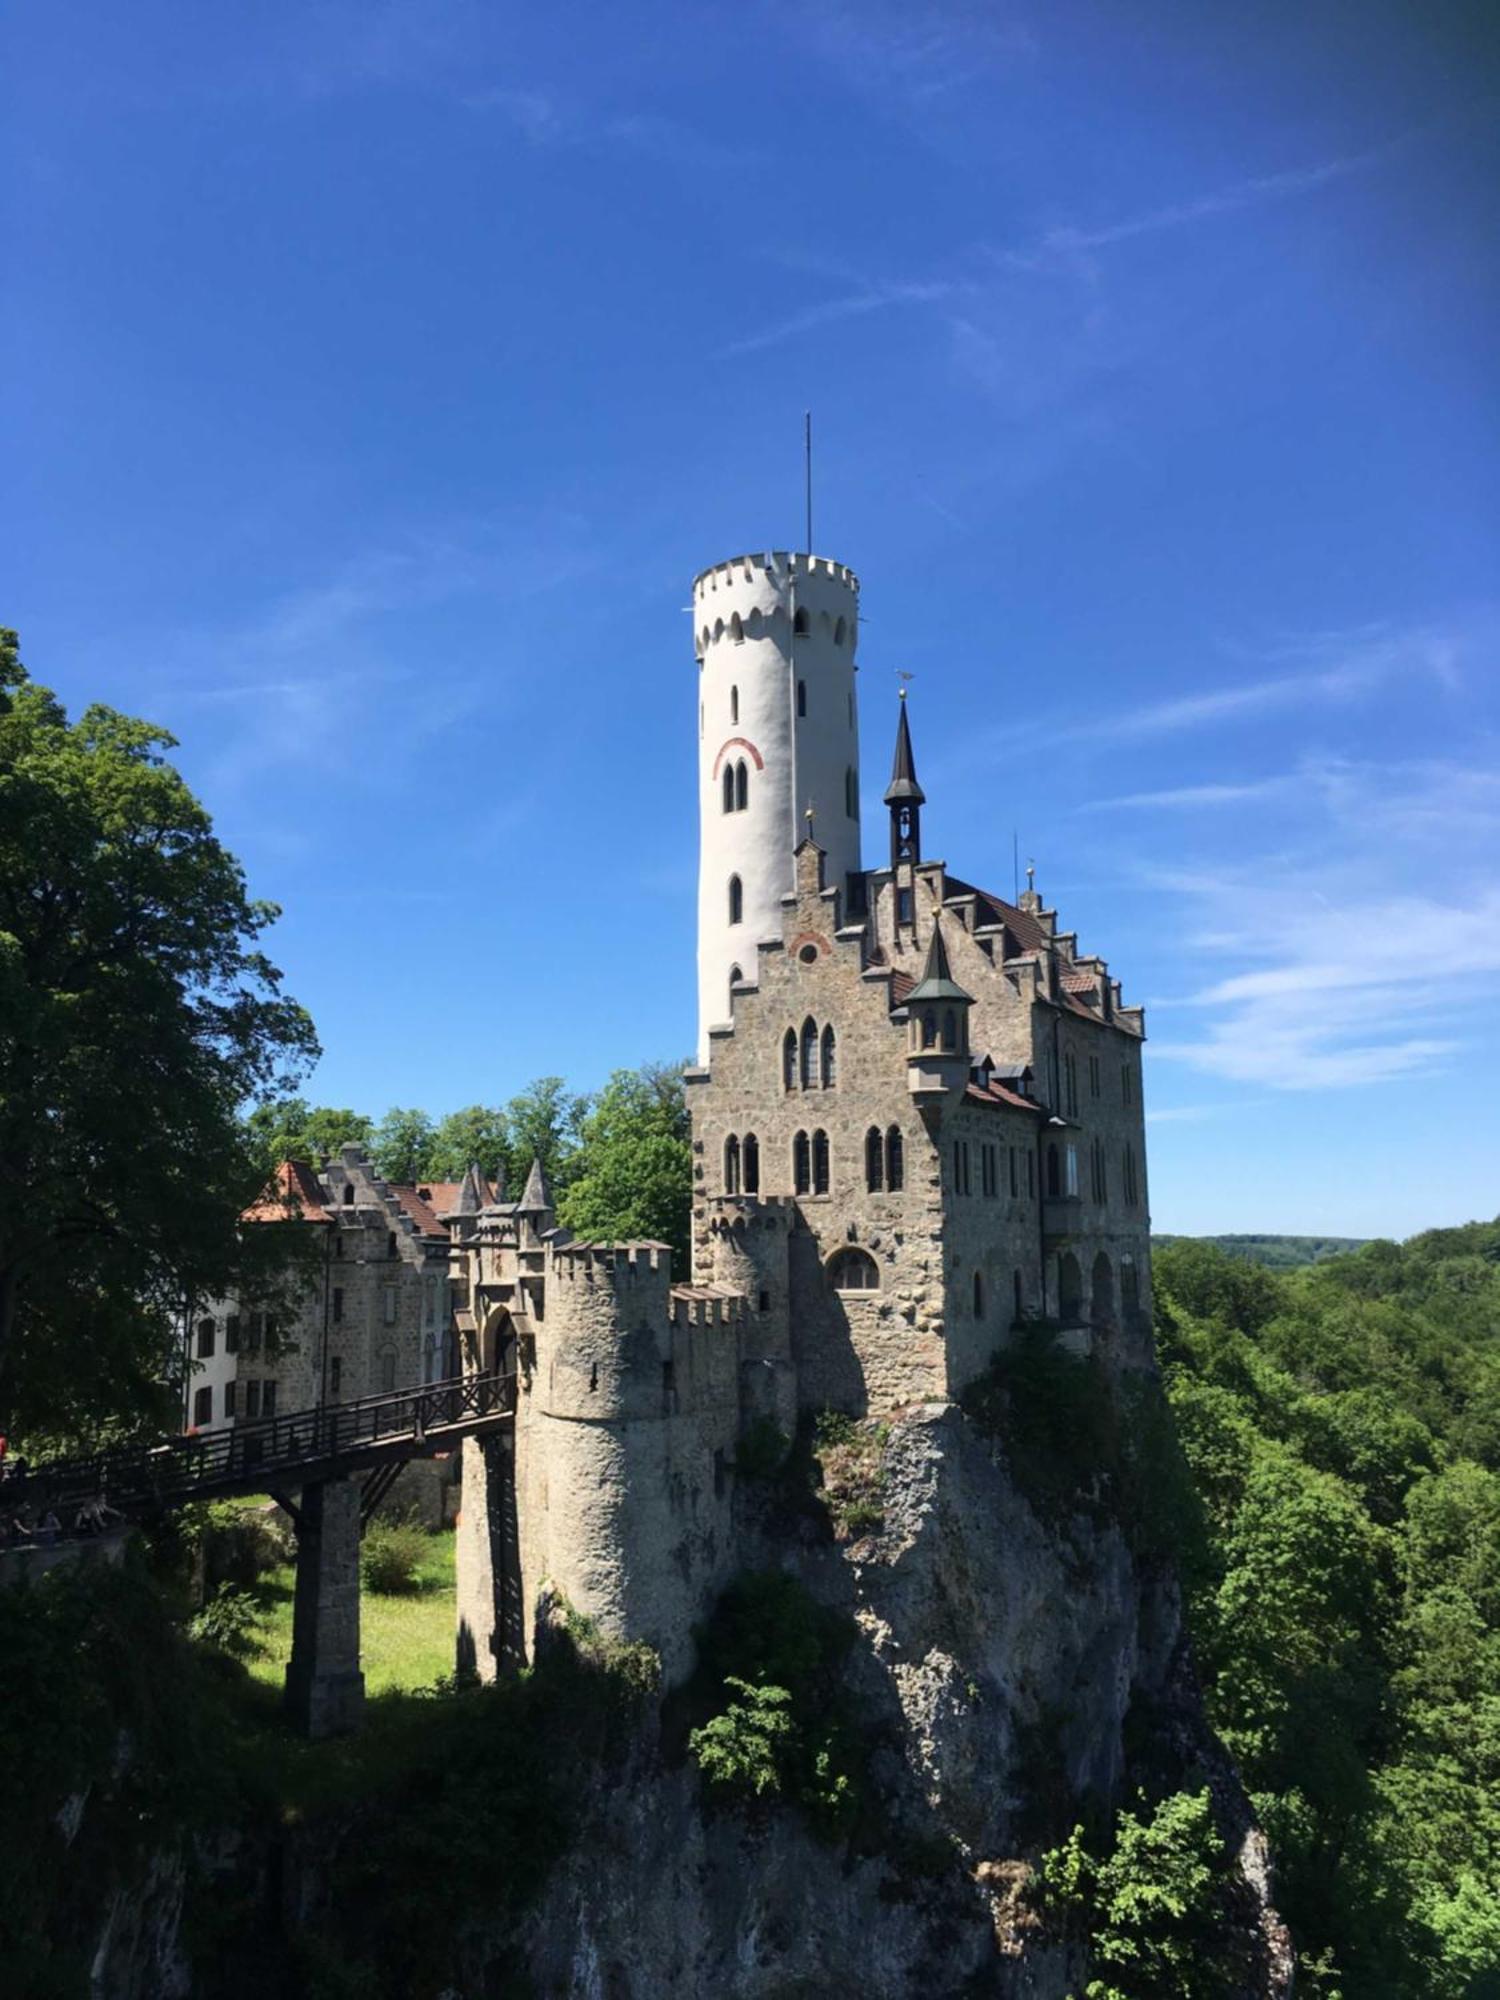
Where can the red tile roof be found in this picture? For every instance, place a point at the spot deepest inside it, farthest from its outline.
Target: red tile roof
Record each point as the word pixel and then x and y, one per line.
pixel 1023 928
pixel 1078 981
pixel 999 1096
pixel 421 1205
pixel 294 1195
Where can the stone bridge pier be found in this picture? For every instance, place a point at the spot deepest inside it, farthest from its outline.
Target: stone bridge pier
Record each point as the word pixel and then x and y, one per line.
pixel 325 1689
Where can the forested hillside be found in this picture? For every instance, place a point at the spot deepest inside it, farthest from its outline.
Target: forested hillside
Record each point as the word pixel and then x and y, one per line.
pixel 1278 1253
pixel 1342 1425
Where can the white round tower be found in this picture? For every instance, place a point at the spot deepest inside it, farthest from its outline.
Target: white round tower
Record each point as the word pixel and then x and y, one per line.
pixel 778 732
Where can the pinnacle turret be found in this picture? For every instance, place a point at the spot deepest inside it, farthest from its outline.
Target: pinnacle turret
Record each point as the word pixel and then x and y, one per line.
pixel 937 981
pixel 905 798
pixel 537 1200
pixel 903 788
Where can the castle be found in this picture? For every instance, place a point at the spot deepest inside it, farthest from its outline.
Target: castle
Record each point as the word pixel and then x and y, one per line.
pixel 917 1124
pixel 376 1318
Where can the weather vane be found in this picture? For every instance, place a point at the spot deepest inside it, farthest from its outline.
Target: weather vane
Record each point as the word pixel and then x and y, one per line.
pixel 903 677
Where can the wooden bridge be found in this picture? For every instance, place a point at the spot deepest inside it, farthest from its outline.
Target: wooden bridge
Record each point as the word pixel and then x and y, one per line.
pixel 316 1454
pixel 333 1441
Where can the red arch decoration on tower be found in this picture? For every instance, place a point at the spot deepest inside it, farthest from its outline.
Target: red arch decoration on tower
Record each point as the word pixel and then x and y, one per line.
pixel 739 743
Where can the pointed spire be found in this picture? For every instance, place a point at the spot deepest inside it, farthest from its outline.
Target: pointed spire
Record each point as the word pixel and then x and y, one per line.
pixel 937 981
pixel 470 1192
pixel 537 1200
pixel 903 788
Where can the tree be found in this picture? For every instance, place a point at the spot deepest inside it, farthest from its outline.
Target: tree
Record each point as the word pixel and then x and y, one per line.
pixel 137 1014
pixel 402 1145
pixel 290 1128
pixel 1156 1909
pixel 479 1135
pixel 636 1172
pixel 544 1122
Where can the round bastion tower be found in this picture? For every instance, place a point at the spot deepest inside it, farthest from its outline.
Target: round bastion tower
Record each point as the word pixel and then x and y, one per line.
pixel 778 732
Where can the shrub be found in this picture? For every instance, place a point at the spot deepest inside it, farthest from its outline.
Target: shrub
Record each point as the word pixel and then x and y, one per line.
pixel 391 1556
pixel 229 1622
pixel 1155 1911
pixel 783 1732
pixel 744 1750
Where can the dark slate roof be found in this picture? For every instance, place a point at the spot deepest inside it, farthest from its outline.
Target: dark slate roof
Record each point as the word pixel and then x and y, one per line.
pixel 537 1197
pixel 937 981
pixel 903 788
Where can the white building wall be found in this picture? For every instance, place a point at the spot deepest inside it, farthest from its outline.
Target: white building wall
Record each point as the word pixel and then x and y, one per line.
pixel 744 613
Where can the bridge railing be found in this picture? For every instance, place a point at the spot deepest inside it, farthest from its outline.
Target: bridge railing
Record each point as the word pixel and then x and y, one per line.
pixel 175 1470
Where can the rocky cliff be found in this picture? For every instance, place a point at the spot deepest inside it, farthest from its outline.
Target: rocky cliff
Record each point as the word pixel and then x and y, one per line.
pixel 1011 1670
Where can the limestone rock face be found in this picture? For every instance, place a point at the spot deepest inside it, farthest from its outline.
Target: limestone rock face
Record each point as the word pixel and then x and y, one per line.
pixel 997 1659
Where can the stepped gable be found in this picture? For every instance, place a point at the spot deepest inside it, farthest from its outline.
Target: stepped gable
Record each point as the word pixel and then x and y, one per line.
pixel 294 1195
pixel 1022 931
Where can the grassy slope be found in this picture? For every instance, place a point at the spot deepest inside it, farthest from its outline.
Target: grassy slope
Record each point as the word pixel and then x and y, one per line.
pixel 405 1642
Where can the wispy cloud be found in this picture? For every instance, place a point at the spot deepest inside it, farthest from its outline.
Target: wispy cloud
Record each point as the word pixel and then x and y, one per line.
pixel 543 119
pixel 1341 668
pixel 1070 239
pixel 905 57
pixel 1343 990
pixel 318 681
pixel 1190 797
pixel 872 298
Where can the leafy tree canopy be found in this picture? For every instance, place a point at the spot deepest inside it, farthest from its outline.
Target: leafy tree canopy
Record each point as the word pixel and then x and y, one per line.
pixel 635 1173
pixel 290 1128
pixel 1342 1426
pixel 137 1013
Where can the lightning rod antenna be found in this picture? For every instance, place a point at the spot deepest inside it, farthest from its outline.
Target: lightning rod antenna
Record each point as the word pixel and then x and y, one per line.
pixel 807 463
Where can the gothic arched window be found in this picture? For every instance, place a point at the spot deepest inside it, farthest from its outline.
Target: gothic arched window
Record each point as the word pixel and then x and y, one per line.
pixel 789 1060
pixel 741 786
pixel 736 628
pixel 731 1165
pixel 895 1160
pixel 801 1164
pixel 750 1160
pixel 929 1027
pixel 809 1054
pixel 735 976
pixel 852 1269
pixel 874 1160
pixel 830 1058
pixel 800 621
pixel 736 900
pixel 729 788
pixel 820 1162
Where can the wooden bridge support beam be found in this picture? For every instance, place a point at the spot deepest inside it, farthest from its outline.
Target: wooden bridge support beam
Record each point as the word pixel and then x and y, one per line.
pixel 325 1690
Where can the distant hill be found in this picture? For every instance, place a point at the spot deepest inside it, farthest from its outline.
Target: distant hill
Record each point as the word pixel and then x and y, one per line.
pixel 1277 1253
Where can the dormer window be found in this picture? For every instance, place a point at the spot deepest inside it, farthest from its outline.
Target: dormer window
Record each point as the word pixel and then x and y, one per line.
pixel 348 1195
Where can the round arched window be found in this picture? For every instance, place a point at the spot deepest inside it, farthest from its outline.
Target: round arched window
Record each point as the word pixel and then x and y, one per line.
pixel 853 1270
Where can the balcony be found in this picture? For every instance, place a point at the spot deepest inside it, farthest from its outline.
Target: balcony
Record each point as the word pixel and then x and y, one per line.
pixel 1061 1218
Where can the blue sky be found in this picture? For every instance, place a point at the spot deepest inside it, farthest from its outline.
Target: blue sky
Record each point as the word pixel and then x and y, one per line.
pixel 376 376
